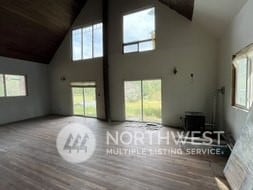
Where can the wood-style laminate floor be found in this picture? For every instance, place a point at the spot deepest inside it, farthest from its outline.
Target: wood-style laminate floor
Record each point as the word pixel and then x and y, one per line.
pixel 29 160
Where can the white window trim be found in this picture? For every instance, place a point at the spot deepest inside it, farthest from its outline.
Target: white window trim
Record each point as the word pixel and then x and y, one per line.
pixel 81 28
pixel 139 41
pixel 249 83
pixel 5 88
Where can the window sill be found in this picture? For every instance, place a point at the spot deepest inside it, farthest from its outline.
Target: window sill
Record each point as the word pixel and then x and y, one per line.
pixel 9 97
pixel 139 52
pixel 240 109
pixel 87 60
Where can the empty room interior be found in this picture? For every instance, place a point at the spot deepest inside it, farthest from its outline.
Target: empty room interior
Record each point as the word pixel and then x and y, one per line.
pixel 126 95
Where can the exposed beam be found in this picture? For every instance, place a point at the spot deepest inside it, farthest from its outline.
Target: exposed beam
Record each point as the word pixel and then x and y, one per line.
pixel 183 7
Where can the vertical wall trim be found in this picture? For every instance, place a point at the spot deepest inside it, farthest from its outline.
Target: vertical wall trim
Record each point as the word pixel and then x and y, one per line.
pixel 105 60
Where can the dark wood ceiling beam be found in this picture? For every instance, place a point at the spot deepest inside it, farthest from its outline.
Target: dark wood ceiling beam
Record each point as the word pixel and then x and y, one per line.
pixel 183 7
pixel 33 30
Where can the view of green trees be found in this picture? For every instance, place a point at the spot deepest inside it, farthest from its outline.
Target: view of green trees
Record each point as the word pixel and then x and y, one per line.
pixel 84 100
pixel 1 86
pixel 142 101
pixel 144 94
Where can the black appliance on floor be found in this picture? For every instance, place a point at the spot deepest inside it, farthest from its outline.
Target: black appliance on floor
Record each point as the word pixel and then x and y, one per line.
pixel 194 121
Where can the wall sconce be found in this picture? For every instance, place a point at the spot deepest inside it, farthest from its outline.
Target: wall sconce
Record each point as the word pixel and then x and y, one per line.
pixel 63 78
pixel 175 71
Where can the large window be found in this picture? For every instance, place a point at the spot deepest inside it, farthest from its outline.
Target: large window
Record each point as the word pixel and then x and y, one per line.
pixel 243 79
pixel 241 83
pixel 87 42
pixel 139 31
pixel 143 100
pixel 84 99
pixel 12 85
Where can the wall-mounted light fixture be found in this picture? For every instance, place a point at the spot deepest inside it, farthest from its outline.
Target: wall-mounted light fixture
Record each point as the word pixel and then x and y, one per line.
pixel 175 71
pixel 63 78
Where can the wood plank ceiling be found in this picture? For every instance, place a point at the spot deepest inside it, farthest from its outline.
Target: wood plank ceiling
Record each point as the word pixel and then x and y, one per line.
pixel 183 7
pixel 33 29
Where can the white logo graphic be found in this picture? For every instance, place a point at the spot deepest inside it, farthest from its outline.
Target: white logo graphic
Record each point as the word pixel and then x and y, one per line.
pixel 76 143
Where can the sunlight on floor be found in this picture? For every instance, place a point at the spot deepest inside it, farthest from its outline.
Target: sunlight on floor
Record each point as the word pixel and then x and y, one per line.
pixel 220 184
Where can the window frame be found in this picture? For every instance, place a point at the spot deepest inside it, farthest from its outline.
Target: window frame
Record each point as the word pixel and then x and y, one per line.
pixel 139 41
pixel 5 86
pixel 81 27
pixel 142 98
pixel 249 83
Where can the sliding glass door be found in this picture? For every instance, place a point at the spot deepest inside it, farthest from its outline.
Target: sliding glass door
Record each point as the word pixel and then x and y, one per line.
pixel 90 102
pixel 133 100
pixel 84 101
pixel 78 100
pixel 143 100
pixel 152 100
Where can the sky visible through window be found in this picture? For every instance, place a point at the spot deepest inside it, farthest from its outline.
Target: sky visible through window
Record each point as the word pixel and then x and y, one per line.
pixel 139 26
pixel 87 42
pixel 77 44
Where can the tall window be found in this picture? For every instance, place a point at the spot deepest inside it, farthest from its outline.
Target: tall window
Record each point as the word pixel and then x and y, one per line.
pixel 143 100
pixel 12 85
pixel 87 42
pixel 139 31
pixel 84 99
pixel 243 79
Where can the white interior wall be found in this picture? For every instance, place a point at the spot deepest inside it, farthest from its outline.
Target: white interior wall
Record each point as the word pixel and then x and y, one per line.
pixel 37 102
pixel 88 70
pixel 179 43
pixel 237 36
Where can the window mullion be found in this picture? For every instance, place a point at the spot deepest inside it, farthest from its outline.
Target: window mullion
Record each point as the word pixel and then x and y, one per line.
pixel 247 85
pixel 92 43
pixel 249 82
pixel 5 91
pixel 142 111
pixel 82 58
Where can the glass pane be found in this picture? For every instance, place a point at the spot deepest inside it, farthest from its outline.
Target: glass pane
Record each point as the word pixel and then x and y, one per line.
pixel 139 26
pixel 90 102
pixel 87 42
pixel 241 82
pixel 98 40
pixel 147 46
pixel 1 86
pixel 15 85
pixel 131 48
pixel 78 106
pixel 133 103
pixel 77 44
pixel 152 101
pixel 251 79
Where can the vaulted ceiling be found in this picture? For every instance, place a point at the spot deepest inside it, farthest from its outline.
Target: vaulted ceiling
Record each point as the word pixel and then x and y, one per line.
pixel 215 15
pixel 34 29
pixel 183 7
